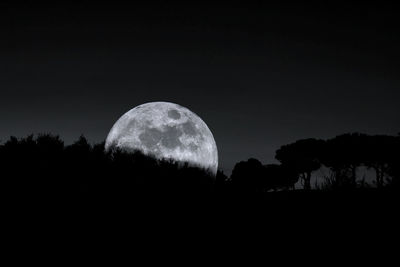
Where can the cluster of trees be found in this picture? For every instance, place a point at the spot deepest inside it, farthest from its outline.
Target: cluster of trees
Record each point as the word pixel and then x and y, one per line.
pixel 44 165
pixel 342 155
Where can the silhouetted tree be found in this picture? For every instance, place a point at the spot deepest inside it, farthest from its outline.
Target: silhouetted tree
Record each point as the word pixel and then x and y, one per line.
pixel 380 155
pixel 394 164
pixel 343 154
pixel 248 175
pixel 301 157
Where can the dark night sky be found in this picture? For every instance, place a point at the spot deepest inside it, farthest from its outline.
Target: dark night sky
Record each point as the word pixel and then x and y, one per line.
pixel 260 75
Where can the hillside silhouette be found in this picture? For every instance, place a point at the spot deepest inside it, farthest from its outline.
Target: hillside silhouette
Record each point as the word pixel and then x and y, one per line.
pixel 44 166
pixel 80 190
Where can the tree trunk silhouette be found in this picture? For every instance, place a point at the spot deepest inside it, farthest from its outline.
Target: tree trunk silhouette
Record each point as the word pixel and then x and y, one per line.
pixel 353 175
pixel 379 176
pixel 307 181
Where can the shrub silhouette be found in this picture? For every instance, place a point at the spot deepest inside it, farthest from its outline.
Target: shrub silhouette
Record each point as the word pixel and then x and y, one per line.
pixel 247 176
pixel 252 176
pixel 43 166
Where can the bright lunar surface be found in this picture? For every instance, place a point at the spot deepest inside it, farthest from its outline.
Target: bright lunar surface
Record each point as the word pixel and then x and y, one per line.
pixel 166 131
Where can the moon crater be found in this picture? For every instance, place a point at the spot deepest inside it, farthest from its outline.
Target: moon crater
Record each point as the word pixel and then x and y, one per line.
pixel 174 114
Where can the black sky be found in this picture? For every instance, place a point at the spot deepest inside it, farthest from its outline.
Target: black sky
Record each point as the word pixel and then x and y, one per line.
pixel 260 75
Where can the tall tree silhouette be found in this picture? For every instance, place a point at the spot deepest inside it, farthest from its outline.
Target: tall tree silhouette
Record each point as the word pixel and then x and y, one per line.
pixel 302 157
pixel 381 156
pixel 394 163
pixel 343 154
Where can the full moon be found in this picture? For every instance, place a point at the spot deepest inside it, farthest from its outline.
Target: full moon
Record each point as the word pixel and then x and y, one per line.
pixel 166 131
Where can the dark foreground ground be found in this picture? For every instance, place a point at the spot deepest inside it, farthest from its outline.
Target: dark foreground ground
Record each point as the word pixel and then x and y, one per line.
pixel 292 226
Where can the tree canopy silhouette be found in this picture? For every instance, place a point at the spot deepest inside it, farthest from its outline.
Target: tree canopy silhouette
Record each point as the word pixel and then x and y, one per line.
pixel 302 157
